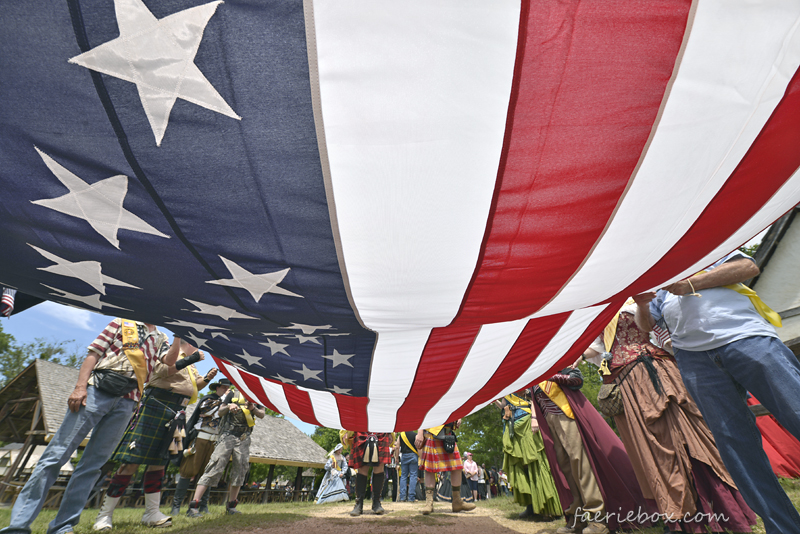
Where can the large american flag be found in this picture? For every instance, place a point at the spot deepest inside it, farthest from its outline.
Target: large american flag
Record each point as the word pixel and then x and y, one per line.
pixel 378 214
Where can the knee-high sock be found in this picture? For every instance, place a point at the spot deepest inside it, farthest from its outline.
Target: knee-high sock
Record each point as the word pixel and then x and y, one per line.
pixel 153 480
pixel 118 485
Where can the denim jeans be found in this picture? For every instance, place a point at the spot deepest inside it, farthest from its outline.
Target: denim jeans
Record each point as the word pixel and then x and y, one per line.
pixel 409 464
pixel 718 380
pixel 106 416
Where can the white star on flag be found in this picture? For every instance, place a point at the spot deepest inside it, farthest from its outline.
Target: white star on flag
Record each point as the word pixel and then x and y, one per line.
pixel 275 348
pixel 255 284
pixel 99 204
pixel 305 328
pixel 219 334
pixel 340 391
pixel 158 56
pixel 285 380
pixel 339 359
pixel 93 301
pixel 197 341
pixel 194 326
pixel 309 374
pixel 220 311
pixel 250 359
pixel 302 339
pixel 86 271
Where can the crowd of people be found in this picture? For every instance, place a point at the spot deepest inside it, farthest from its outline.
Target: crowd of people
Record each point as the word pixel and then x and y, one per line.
pixel 676 367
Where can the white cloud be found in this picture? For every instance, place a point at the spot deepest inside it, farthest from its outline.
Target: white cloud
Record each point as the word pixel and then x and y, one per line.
pixel 69 315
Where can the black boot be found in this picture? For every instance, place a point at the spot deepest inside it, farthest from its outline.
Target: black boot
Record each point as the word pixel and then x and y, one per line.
pixel 180 493
pixel 528 513
pixel 361 489
pixel 203 508
pixel 377 488
pixel 230 508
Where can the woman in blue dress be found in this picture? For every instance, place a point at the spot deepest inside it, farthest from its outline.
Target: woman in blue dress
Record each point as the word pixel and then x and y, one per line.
pixel 332 487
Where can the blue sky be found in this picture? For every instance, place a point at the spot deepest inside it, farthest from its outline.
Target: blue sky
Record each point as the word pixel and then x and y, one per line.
pixel 56 322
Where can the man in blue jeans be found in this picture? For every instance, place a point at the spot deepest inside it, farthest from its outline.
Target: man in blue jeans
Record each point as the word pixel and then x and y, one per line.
pixel 125 352
pixel 724 348
pixel 409 466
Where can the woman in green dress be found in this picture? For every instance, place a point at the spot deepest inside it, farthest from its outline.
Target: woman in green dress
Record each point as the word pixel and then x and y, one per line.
pixel 525 462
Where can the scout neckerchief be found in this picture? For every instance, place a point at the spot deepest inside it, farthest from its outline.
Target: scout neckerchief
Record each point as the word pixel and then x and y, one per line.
pixel 552 390
pixel 242 402
pixel 130 344
pixel 518 402
pixel 189 370
pixel 407 442
pixel 761 307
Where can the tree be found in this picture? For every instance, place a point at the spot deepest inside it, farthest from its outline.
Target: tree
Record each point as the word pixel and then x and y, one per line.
pixel 15 358
pixel 327 438
pixel 482 434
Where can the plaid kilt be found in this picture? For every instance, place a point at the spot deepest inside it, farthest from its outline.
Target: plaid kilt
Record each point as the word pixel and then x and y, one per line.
pixel 360 445
pixel 148 434
pixel 433 459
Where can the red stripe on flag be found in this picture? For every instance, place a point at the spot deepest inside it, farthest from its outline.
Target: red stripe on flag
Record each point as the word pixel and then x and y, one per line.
pixel 255 387
pixel 352 412
pixel 438 367
pixel 300 404
pixel 535 337
pixel 771 160
pixel 580 92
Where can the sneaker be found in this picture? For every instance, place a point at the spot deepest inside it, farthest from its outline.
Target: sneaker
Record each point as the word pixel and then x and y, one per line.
pixel 193 511
pixel 596 528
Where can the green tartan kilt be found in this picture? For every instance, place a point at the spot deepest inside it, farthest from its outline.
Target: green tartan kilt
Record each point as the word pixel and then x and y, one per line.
pixel 144 442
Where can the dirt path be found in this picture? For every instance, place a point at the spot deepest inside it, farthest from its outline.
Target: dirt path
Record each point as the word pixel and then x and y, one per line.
pixel 404 518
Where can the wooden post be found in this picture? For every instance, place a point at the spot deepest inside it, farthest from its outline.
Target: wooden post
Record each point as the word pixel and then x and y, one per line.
pixel 298 482
pixel 24 452
pixel 265 497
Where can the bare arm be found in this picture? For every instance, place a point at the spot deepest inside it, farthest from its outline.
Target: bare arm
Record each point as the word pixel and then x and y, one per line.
pixel 78 396
pixel 730 272
pixel 259 411
pixel 643 317
pixel 172 354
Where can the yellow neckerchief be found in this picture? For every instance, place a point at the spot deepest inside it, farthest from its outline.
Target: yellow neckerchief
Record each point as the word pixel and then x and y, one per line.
pixel 761 307
pixel 346 437
pixel 189 370
pixel 407 442
pixel 518 402
pixel 554 391
pixel 242 402
pixel 130 344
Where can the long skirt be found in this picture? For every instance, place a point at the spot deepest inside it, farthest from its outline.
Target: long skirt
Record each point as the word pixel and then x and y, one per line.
pixel 445 490
pixel 332 489
pixel 674 454
pixel 525 463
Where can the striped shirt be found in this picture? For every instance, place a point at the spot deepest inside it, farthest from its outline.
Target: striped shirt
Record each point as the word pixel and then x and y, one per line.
pixel 547 405
pixel 108 346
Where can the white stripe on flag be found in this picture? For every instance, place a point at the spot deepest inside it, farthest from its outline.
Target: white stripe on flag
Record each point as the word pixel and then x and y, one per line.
pixel 486 354
pixel 738 61
pixel 240 383
pixel 414 99
pixel 782 201
pixel 273 392
pixel 326 411
pixel 394 366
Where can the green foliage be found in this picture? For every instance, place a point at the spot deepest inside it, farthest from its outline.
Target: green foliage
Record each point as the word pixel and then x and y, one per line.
pixel 591 387
pixel 482 434
pixel 327 438
pixel 14 358
pixel 751 249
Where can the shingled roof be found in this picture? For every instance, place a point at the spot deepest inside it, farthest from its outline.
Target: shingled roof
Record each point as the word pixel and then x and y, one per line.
pixel 49 382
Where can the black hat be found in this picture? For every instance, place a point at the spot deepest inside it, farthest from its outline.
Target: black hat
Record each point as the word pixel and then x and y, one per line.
pixel 222 382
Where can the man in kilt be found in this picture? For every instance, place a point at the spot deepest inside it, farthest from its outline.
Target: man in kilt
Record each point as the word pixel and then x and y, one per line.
pixel 434 459
pixel 120 359
pixel 369 449
pixel 234 440
pixel 151 435
pixel 205 420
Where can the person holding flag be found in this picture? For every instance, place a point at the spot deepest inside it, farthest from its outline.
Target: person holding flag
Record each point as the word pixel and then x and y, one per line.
pixel 234 441
pixel 152 437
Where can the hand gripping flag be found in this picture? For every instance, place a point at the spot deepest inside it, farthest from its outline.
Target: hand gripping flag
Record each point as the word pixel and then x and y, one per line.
pixel 382 215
